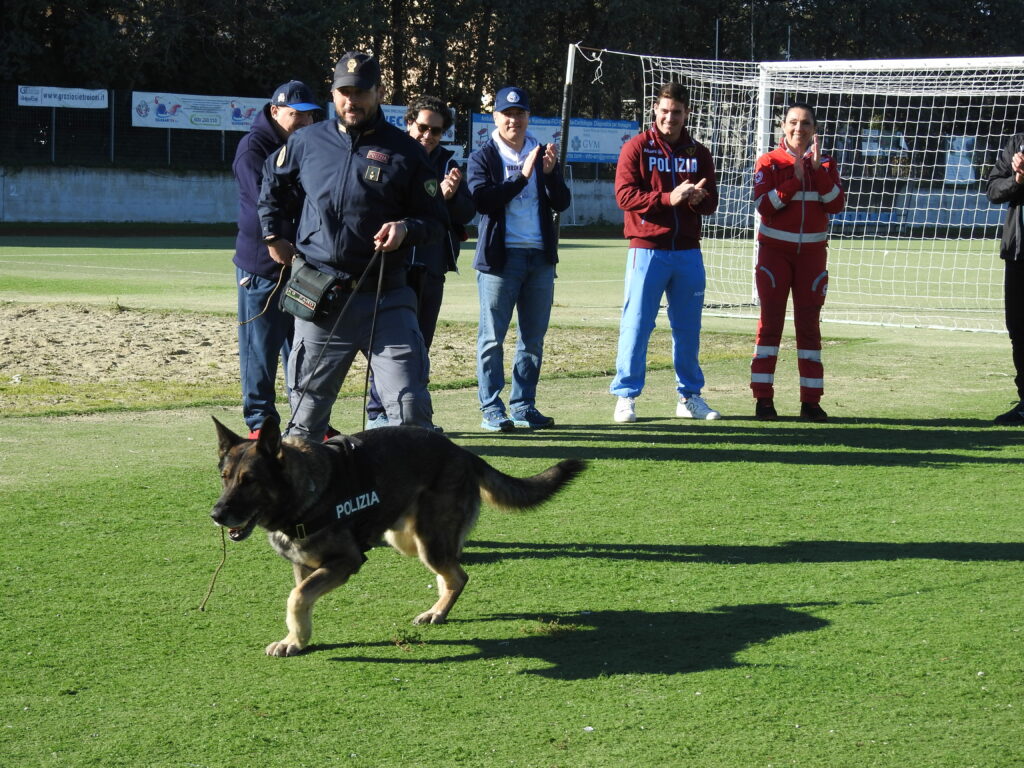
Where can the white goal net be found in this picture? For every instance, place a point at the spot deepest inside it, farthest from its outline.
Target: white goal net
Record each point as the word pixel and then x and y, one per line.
pixel 914 140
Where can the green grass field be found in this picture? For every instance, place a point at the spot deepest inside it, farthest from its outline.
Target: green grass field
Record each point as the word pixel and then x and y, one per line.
pixel 928 282
pixel 726 593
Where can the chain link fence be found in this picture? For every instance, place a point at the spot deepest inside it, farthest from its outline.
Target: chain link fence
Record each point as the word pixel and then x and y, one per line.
pixel 33 136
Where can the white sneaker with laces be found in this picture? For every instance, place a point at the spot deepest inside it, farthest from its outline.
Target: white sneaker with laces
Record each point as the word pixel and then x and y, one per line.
pixel 694 407
pixel 625 410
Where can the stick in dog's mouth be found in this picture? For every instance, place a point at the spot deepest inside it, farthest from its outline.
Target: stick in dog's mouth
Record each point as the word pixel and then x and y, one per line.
pixel 242 532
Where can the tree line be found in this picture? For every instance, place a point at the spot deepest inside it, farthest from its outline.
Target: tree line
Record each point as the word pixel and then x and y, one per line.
pixel 463 50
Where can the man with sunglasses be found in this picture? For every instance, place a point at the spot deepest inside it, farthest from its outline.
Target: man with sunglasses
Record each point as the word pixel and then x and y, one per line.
pixel 427 120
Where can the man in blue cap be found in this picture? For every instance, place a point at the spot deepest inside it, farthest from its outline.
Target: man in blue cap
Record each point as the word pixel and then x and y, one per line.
pixel 365 186
pixel 516 184
pixel 264 331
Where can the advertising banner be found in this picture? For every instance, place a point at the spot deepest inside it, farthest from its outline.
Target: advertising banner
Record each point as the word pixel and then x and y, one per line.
pixel 75 98
pixel 198 113
pixel 590 141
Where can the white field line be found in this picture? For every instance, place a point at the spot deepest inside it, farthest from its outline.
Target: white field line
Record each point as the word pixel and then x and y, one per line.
pixel 163 270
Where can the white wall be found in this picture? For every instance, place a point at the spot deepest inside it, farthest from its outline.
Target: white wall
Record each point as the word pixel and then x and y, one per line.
pixel 593 202
pixel 42 194
pixel 114 195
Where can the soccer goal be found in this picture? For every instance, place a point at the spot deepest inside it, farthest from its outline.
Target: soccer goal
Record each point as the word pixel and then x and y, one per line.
pixel 914 139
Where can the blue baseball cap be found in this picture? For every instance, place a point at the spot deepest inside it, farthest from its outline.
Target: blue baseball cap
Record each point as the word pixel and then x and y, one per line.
pixel 294 94
pixel 511 97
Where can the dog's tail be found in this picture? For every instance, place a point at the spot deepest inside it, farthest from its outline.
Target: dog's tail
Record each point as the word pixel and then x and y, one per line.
pixel 507 492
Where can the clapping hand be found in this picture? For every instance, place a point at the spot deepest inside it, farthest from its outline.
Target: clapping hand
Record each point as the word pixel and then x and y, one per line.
pixel 450 183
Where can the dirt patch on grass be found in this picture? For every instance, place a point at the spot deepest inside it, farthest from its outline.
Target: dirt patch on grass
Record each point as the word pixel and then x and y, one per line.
pixel 76 359
pixel 80 344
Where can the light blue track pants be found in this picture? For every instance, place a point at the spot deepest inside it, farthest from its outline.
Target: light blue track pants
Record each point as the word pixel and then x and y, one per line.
pixel 651 274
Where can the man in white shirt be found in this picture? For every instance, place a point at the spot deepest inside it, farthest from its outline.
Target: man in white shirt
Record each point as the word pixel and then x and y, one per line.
pixel 516 184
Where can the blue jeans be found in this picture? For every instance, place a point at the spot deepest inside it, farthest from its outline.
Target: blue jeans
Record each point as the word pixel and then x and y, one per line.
pixel 261 342
pixel 650 274
pixel 527 284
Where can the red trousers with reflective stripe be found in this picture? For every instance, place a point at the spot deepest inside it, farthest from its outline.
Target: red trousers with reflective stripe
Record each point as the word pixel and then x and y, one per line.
pixel 780 272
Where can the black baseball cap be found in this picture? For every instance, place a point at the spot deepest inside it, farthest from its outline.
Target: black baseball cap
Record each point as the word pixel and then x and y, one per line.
pixel 357 69
pixel 294 94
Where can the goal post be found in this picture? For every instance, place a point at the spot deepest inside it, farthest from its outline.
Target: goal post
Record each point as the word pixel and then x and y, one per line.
pixel 918 243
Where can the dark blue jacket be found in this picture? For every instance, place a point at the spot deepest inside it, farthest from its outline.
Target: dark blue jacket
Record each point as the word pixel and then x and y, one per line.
pixel 491 193
pixel 253 150
pixel 441 257
pixel 351 183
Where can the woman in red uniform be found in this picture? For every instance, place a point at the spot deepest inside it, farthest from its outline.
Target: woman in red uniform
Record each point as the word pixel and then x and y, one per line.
pixel 795 189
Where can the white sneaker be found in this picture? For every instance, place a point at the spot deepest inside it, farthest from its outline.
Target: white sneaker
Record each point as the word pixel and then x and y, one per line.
pixel 694 407
pixel 625 410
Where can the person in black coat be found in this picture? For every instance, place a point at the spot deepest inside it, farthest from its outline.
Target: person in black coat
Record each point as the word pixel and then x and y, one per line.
pixel 1006 185
pixel 264 332
pixel 427 120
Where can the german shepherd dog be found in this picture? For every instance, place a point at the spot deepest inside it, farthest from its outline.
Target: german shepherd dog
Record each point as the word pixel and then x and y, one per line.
pixel 324 505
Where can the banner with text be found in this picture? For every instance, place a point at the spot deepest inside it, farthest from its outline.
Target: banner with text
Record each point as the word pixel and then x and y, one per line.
pixel 590 141
pixel 198 113
pixel 75 98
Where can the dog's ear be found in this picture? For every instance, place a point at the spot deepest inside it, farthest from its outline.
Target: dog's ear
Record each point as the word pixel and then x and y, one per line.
pixel 269 441
pixel 226 438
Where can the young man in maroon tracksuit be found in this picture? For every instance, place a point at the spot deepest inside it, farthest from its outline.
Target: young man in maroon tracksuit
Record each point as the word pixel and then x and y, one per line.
pixel 664 183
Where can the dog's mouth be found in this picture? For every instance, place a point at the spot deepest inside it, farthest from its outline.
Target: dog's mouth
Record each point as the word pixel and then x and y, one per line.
pixel 242 532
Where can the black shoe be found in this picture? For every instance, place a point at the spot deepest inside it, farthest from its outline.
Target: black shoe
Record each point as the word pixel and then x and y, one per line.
pixel 1013 417
pixel 812 412
pixel 764 409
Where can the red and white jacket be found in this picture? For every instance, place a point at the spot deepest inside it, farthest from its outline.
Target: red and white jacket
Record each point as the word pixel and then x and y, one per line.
pixel 647 172
pixel 794 215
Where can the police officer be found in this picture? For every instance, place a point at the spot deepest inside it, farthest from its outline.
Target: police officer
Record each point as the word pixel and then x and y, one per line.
pixel 365 186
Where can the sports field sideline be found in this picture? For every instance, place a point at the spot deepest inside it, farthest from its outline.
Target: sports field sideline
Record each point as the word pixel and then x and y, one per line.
pixel 726 593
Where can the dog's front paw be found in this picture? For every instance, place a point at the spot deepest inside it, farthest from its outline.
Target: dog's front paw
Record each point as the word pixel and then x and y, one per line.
pixel 429 617
pixel 285 647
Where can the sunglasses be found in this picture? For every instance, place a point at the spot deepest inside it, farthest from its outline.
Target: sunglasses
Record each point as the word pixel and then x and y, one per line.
pixel 432 130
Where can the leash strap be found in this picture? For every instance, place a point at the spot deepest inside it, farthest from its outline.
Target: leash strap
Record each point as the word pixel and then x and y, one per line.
pixel 270 298
pixel 373 330
pixel 223 559
pixel 378 254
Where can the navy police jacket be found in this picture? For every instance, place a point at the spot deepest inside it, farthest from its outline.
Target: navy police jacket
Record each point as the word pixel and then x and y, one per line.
pixel 441 257
pixel 351 182
pixel 253 150
pixel 492 192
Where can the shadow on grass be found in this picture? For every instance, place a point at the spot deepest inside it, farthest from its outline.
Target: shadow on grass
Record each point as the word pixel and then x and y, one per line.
pixel 583 646
pixel 780 554
pixel 842 442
